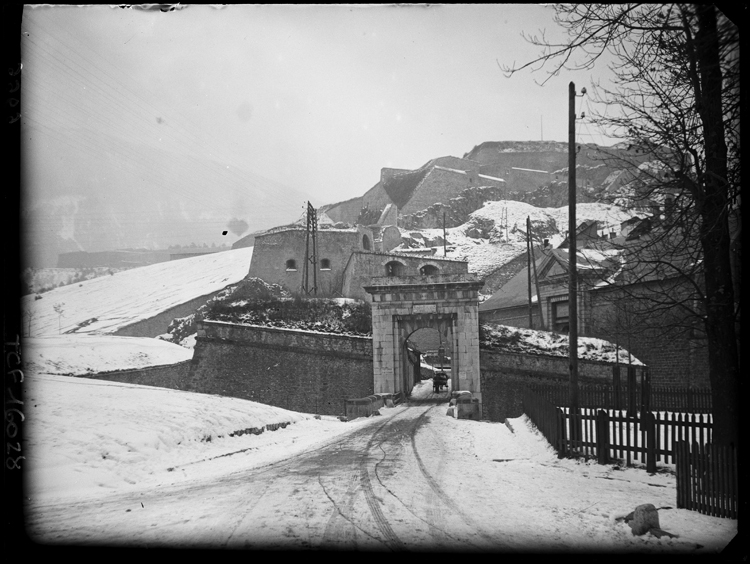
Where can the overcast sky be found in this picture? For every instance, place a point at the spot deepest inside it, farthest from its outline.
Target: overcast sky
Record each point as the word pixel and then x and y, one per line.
pixel 316 98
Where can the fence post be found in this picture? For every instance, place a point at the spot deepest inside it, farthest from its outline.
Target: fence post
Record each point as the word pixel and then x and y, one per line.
pixel 690 399
pixel 616 386
pixel 562 434
pixel 682 469
pixel 645 389
pixel 648 417
pixel 602 437
pixel 631 391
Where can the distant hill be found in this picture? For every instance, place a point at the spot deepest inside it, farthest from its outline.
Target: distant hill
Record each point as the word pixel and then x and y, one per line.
pixel 115 194
pixel 535 172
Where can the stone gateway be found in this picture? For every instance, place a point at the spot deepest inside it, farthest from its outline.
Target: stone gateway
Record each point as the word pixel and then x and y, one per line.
pixel 403 305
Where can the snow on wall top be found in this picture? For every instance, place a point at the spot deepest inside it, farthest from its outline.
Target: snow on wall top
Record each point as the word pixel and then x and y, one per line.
pixel 532 341
pixel 106 304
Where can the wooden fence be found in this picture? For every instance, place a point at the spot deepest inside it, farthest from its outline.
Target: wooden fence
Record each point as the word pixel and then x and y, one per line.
pixel 647 437
pixel 640 397
pixel 706 476
pixel 707 479
pixel 549 419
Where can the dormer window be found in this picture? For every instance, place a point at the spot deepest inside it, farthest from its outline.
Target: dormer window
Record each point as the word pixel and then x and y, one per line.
pixel 291 265
pixel 325 264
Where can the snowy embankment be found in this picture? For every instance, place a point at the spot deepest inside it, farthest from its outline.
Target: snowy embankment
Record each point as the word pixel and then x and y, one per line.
pixel 109 303
pixel 89 437
pixel 78 355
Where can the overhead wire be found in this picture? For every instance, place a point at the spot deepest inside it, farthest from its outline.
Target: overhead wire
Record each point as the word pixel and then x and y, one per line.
pixel 233 176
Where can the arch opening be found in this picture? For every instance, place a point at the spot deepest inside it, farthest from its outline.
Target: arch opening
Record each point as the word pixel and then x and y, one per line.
pixel 394 268
pixel 429 270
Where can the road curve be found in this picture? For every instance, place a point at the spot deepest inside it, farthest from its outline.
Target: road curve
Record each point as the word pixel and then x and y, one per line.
pixel 376 488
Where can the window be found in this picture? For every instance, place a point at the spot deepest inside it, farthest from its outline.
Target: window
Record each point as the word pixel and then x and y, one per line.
pixel 365 242
pixel 325 264
pixel 560 320
pixel 291 265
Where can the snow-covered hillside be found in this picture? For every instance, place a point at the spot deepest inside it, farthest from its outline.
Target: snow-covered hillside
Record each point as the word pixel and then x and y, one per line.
pixel 104 305
pixel 88 437
pixel 78 355
pixel 496 233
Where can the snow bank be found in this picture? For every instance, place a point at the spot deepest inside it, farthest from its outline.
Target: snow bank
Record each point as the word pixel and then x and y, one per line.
pixel 90 437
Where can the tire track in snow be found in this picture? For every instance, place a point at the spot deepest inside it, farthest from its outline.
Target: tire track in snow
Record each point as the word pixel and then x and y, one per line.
pixel 445 498
pixel 391 539
pixel 437 531
pixel 333 531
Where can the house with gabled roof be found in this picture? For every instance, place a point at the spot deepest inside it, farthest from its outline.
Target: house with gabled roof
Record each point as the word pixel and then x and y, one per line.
pixel 619 286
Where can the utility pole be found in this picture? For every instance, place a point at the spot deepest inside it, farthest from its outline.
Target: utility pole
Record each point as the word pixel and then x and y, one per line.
pixel 528 271
pixel 445 240
pixel 311 258
pixel 572 270
pixel 536 278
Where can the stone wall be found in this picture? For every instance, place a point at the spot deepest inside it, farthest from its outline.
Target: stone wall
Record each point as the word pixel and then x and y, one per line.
pixel 675 354
pixel 439 185
pixel 363 267
pixel 376 198
pixel 390 237
pixel 273 250
pixel 458 163
pixel 503 376
pixel 346 212
pixel 297 370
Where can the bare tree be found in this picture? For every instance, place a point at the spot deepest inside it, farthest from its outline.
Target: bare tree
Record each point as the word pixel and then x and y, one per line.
pixel 58 307
pixel 675 97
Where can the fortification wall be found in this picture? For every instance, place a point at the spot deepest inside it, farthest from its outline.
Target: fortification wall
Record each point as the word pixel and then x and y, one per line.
pixel 297 370
pixel 272 253
pixel 363 267
pixel 503 376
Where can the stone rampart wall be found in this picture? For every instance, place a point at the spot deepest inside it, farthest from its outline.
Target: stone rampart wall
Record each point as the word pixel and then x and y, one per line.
pixel 503 375
pixel 297 370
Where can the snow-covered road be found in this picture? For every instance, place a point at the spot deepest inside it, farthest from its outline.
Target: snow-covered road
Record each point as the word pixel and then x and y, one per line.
pixel 379 487
pixel 410 479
